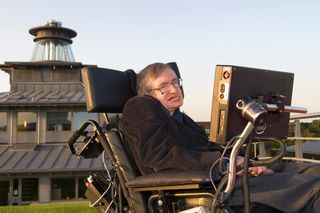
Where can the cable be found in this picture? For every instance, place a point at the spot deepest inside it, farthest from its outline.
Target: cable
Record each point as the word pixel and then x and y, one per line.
pixel 110 181
pixel 216 201
pixel 223 161
pixel 104 193
pixel 105 165
pixel 223 169
pixel 245 178
pixel 112 201
pixel 211 171
pixel 229 145
pixel 109 206
pixel 272 160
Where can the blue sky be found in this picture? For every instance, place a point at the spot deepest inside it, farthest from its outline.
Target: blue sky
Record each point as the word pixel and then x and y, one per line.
pixel 198 35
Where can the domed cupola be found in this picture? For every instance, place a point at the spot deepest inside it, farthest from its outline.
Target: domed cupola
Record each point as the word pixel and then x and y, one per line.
pixel 53 42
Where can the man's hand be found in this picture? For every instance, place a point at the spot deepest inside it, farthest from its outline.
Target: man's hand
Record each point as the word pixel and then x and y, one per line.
pixel 259 170
pixel 254 171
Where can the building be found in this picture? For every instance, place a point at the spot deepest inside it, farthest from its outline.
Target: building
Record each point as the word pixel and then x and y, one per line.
pixel 310 150
pixel 44 106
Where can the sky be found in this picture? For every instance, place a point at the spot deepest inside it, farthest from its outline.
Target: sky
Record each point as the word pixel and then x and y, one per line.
pixel 196 34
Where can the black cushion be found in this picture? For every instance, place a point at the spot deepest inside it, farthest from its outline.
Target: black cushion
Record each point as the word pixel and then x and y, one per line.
pixel 107 90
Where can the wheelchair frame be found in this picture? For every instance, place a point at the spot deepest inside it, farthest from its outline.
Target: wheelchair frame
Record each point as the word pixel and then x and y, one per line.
pixel 166 191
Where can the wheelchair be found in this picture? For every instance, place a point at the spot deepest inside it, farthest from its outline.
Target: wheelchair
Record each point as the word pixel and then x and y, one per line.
pixel 122 188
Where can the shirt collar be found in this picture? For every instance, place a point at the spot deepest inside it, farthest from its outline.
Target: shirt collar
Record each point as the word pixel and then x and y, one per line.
pixel 177 116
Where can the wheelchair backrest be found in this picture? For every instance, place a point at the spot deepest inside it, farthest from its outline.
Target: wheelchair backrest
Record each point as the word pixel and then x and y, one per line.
pixel 107 90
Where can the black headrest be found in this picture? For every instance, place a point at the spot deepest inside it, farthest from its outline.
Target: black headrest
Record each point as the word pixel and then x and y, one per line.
pixel 108 90
pixel 175 68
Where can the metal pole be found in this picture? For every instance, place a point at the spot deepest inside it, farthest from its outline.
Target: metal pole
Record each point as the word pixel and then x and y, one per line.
pixel 233 158
pixel 298 144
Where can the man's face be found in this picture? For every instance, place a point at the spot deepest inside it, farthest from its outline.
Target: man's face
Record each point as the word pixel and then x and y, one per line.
pixel 166 89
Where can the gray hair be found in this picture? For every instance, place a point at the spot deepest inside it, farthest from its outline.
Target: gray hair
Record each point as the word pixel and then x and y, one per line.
pixel 150 72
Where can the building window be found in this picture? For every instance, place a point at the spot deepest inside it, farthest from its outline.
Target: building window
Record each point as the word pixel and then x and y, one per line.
pixel 58 121
pixel 79 117
pixel 62 188
pixel 3 121
pixel 29 189
pixel 27 121
pixel 4 191
pixel 46 75
pixel 81 188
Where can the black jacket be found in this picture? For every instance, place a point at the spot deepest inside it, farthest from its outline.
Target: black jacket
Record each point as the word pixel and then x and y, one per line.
pixel 159 142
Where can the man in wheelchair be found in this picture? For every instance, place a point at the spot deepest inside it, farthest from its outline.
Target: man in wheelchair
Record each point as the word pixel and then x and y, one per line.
pixel 159 135
pixel 163 143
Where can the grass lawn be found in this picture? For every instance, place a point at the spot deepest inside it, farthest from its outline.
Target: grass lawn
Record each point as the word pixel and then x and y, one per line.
pixel 72 207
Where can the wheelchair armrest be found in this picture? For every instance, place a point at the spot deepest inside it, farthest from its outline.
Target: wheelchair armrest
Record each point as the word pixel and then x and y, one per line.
pixel 169 178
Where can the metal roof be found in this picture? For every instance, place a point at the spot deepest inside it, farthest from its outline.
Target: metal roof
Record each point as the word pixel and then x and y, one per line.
pixel 311 147
pixel 42 97
pixel 21 64
pixel 45 158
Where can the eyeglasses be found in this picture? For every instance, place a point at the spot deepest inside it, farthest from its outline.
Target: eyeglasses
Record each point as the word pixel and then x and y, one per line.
pixel 165 87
